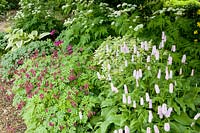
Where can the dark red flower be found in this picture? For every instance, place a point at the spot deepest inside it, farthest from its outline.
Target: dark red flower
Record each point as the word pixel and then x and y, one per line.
pixel 20 62
pixel 58 43
pixel 52 32
pixel 51 124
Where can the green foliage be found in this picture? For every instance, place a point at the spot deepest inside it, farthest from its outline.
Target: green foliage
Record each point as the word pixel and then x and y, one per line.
pixel 11 60
pixel 3 43
pixel 39 15
pixel 2 7
pixel 57 93
pixel 18 38
pixel 120 59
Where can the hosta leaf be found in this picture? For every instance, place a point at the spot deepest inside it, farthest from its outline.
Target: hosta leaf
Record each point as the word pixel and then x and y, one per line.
pixel 183 119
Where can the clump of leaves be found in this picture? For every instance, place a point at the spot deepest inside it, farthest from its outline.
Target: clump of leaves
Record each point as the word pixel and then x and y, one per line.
pixel 146 90
pixel 3 43
pixel 55 91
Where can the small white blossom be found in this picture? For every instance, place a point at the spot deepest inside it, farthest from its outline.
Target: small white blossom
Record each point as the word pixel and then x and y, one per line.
pixel 183 59
pixel 147 97
pixel 169 60
pixel 126 129
pixel 192 73
pixel 125 89
pixel 157 89
pixel 141 101
pixel 120 131
pixel 159 74
pixel 148 130
pixel 129 99
pixel 80 115
pixel 173 48
pixel 134 104
pixel 197 116
pixel 148 58
pixel 156 130
pixel 181 71
pixel 171 88
pixel 150 103
pixel 124 99
pixel 150 116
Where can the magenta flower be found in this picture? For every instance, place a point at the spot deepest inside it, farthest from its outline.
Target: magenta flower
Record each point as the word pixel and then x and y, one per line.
pixel 41 96
pixel 52 32
pixel 51 124
pixel 58 43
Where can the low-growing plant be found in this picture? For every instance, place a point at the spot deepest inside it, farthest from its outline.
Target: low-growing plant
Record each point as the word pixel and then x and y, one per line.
pixel 11 60
pixel 55 93
pixel 3 43
pixel 146 91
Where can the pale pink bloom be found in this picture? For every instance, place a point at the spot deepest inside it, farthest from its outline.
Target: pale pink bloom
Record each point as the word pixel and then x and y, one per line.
pixel 183 59
pixel 120 131
pixel 161 44
pixel 147 97
pixel 157 55
pixel 164 108
pixel 160 112
pixel 170 74
pixel 135 49
pixel 134 73
pixel 157 89
pixel 132 58
pixel 140 73
pixel 150 116
pixel 134 104
pixel 164 36
pixel 126 63
pixel 171 88
pixel 156 130
pixel 159 74
pixel 80 115
pixel 124 99
pixel 109 67
pixel 148 130
pixel 181 71
pixel 126 129
pixel 141 101
pixel 168 113
pixel 124 49
pixel 107 49
pixel 113 88
pixel 197 116
pixel 153 50
pixel 167 127
pixel 129 99
pixel 169 60
pixel 192 73
pixel 125 89
pixel 173 48
pixel 142 45
pixel 166 73
pixel 115 131
pixel 150 103
pixel 148 58
pixel 146 48
pixel 137 76
pixel 98 75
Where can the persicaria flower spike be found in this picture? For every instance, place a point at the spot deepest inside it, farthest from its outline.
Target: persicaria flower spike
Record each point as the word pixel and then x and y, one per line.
pixel 192 73
pixel 150 116
pixel 157 89
pixel 171 88
pixel 173 48
pixel 141 101
pixel 127 129
pixel 52 32
pixel 129 99
pixel 125 89
pixel 80 115
pixel 124 98
pixel 197 116
pixel 156 130
pixel 147 97
pixel 148 130
pixel 183 59
pixel 167 127
pixel 169 60
pixel 159 74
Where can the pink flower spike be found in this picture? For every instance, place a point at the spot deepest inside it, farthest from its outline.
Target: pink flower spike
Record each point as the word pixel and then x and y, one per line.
pixel 147 97
pixel 157 89
pixel 192 73
pixel 171 88
pixel 148 130
pixel 120 131
pixel 166 73
pixel 124 99
pixel 181 71
pixel 157 55
pixel 160 112
pixel 156 130
pixel 134 104
pixel 129 99
pixel 173 48
pixel 164 108
pixel 167 127
pixel 127 129
pixel 159 74
pixel 148 58
pixel 169 60
pixel 125 89
pixel 183 59
pixel 150 116
pixel 150 103
pixel 168 113
pixel 170 74
pixel 141 101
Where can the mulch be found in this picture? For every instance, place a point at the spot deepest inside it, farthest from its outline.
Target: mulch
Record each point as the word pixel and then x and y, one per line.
pixel 10 120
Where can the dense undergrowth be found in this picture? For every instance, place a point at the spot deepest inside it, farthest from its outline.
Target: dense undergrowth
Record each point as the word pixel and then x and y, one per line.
pixel 85 66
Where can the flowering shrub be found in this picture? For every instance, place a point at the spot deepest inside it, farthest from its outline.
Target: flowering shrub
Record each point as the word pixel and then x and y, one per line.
pixel 146 93
pixel 57 93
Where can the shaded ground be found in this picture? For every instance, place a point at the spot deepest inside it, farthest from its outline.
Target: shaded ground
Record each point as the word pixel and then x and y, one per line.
pixel 4 26
pixel 10 121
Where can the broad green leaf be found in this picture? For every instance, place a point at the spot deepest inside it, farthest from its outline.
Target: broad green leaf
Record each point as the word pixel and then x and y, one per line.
pixel 19 43
pixel 183 119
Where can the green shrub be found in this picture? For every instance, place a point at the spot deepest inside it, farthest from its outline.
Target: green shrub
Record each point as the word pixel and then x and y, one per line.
pixel 3 4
